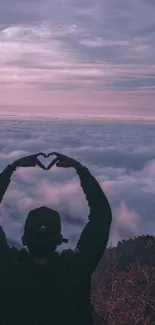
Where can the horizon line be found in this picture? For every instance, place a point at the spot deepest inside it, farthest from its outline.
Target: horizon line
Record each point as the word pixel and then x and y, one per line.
pixel 85 117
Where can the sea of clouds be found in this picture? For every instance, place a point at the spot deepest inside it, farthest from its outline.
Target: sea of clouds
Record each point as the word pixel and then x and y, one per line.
pixel 120 156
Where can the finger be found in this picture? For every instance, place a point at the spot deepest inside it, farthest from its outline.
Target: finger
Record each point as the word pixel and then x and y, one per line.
pixel 40 154
pixel 52 163
pixel 54 153
pixel 60 164
pixel 40 164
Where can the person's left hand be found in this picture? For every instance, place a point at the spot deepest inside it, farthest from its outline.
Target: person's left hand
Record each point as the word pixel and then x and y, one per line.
pixel 62 161
pixel 30 161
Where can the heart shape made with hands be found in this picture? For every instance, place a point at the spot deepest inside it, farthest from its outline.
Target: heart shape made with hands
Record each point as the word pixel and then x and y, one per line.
pixel 52 163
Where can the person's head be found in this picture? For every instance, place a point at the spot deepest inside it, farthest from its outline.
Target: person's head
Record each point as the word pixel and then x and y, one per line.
pixel 42 232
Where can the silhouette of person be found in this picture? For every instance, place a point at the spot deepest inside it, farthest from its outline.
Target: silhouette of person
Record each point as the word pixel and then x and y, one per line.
pixel 38 285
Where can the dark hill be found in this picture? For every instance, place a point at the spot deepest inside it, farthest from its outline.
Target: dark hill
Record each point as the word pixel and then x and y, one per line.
pixel 123 285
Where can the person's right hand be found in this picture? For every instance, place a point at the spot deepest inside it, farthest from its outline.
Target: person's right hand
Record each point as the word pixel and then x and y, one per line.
pixel 62 161
pixel 30 161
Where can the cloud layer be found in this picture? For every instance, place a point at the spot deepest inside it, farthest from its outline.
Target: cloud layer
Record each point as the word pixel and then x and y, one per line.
pixel 121 157
pixel 100 56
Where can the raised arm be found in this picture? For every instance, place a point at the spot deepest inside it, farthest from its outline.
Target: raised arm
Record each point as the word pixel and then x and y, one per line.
pixel 94 237
pixel 28 161
pixel 5 179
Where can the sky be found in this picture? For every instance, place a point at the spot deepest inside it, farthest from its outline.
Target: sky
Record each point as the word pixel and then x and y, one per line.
pixel 120 156
pixel 81 58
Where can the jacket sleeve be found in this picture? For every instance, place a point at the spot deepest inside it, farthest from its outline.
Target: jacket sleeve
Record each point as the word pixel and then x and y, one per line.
pixel 95 235
pixel 5 253
pixel 5 180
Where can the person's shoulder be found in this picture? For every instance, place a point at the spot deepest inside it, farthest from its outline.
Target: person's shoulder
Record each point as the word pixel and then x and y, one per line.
pixel 69 257
pixel 19 255
pixel 14 252
pixel 67 253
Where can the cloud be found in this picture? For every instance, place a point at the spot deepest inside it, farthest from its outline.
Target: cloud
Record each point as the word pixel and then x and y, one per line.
pixel 131 83
pixel 121 157
pixel 53 47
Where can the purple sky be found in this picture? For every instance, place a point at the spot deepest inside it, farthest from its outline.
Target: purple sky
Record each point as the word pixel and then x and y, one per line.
pixel 71 58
